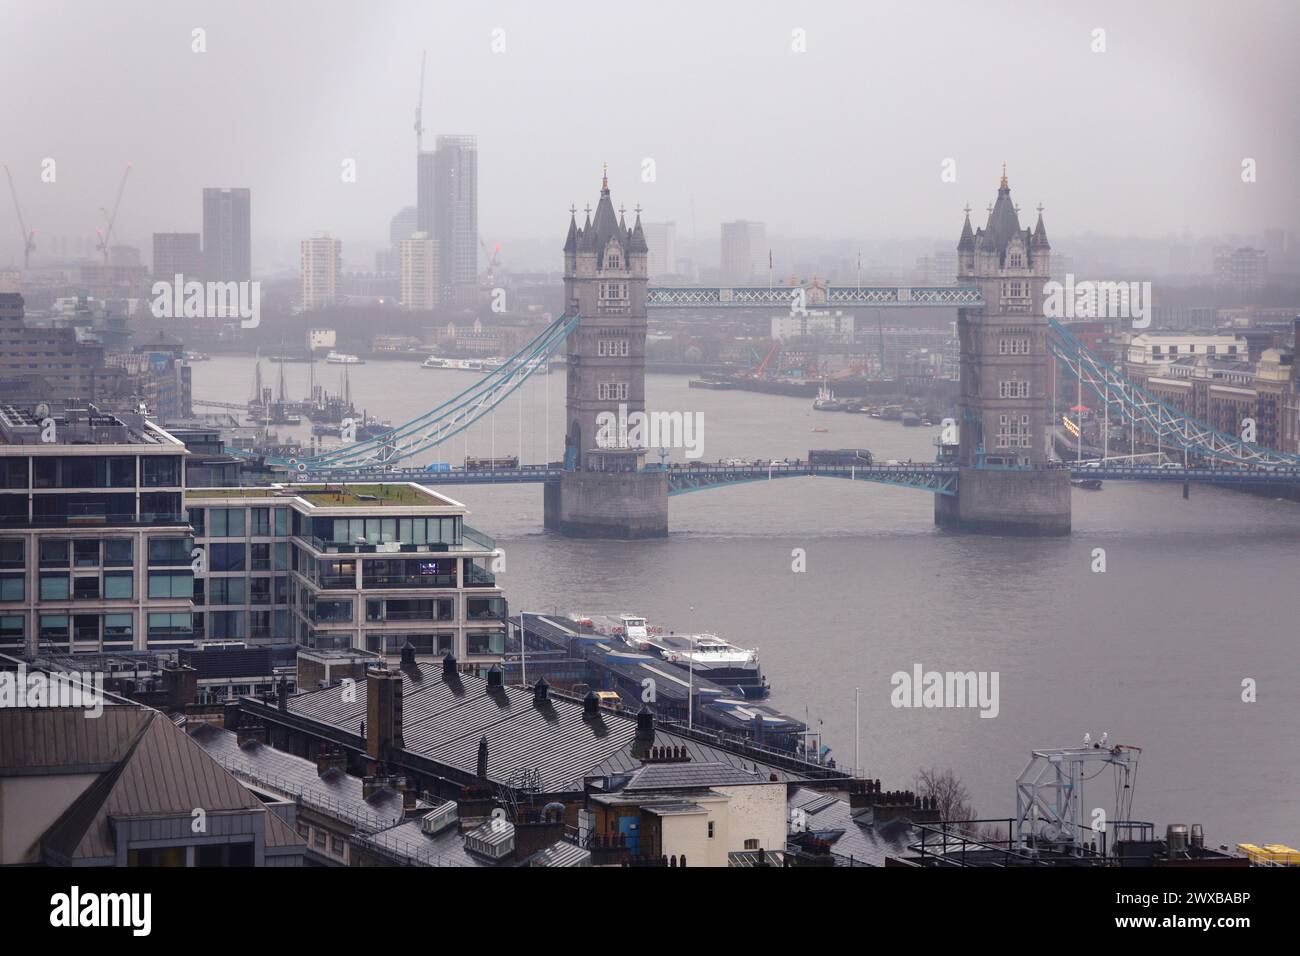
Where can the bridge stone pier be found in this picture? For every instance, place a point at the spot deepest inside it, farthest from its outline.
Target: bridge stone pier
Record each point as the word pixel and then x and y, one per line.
pixel 1005 484
pixel 603 492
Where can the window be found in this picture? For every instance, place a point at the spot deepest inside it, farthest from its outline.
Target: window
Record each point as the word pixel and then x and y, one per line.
pixel 260 590
pixel 1013 389
pixel 337 845
pixel 54 552
pixel 85 628
pixel 85 553
pixel 54 587
pixel 119 628
pixel 197 521
pixel 612 391
pixel 1013 346
pixel 118 585
pixel 54 627
pixel 170 551
pixel 485 642
pixel 259 557
pixel 227 624
pixel 226 522
pixel 118 553
pixel 282 522
pixel 13 587
pixel 171 584
pixel 751 844
pixel 85 588
pixel 710 829
pixel 160 472
pixel 261 521
pixel 226 590
pixel 333 612
pixel 12 631
pixel 13 472
pixel 485 609
pixel 11 554
pixel 226 557
pixel 170 626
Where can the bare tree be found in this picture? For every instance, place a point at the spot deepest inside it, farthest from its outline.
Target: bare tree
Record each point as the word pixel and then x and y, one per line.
pixel 953 800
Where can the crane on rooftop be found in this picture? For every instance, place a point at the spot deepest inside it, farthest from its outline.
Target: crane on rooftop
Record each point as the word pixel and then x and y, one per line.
pixel 29 238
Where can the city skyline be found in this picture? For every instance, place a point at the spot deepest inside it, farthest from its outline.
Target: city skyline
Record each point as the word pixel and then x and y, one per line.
pixel 746 161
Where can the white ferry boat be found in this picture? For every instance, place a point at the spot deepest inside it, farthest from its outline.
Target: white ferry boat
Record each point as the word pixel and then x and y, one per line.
pixel 343 358
pixel 453 364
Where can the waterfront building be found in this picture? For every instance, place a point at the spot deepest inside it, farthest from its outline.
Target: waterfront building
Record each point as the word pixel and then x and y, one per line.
pixel 1243 270
pixel 375 567
pixel 420 273
pixel 94 544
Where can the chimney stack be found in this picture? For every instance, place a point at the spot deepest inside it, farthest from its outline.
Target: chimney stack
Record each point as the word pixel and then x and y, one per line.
pixel 482 758
pixel 540 691
pixel 448 667
pixel 495 678
pixel 282 694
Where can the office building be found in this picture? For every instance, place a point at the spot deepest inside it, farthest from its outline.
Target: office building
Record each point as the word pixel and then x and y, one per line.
pixel 661 238
pixel 322 268
pixel 177 253
pixel 420 272
pixel 744 250
pixel 227 235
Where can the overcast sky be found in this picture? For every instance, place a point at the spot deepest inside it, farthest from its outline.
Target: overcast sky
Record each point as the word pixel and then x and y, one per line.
pixel 847 139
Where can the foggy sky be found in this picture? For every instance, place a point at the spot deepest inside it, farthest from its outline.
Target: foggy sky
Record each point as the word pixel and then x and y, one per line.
pixel 845 140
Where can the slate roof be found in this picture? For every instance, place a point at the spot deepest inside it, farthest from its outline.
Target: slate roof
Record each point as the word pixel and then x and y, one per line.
pixel 673 776
pixel 337 792
pixel 147 766
pixel 444 718
pixel 831 819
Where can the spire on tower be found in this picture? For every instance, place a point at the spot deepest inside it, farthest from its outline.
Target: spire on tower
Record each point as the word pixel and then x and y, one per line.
pixel 604 177
pixel 1004 185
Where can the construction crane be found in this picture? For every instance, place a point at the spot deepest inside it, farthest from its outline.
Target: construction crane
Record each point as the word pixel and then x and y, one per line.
pixel 29 238
pixel 493 257
pixel 419 110
pixel 106 237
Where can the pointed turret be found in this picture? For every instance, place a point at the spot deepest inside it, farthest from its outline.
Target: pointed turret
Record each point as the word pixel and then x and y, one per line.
pixel 571 241
pixel 638 243
pixel 967 240
pixel 1040 233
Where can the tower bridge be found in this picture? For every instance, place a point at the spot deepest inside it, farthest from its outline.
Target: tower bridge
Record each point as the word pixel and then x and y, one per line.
pixel 1001 480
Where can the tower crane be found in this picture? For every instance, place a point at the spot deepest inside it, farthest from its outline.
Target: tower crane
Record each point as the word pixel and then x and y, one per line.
pixel 419 110
pixel 493 257
pixel 29 238
pixel 106 237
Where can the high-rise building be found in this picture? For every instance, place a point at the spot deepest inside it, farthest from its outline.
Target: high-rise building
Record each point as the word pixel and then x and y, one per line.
pixel 419 267
pixel 424 190
pixel 322 267
pixel 403 225
pixel 744 250
pixel 661 237
pixel 227 235
pixel 177 253
pixel 1242 270
pixel 455 217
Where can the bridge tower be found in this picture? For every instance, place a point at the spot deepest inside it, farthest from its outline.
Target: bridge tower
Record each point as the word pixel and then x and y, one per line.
pixel 604 493
pixel 1005 484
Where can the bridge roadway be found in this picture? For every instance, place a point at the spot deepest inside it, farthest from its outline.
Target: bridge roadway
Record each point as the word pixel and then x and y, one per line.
pixel 938 478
